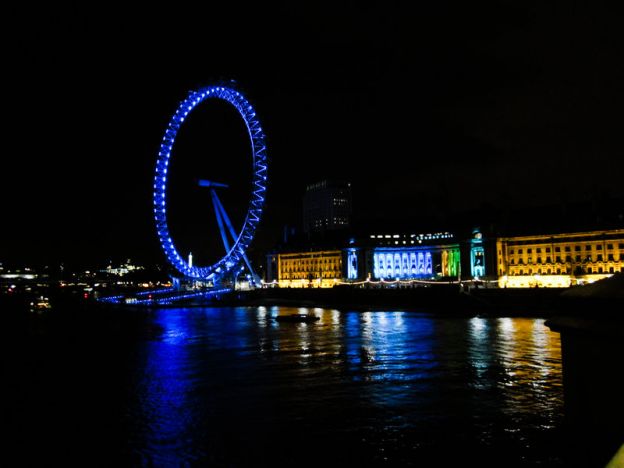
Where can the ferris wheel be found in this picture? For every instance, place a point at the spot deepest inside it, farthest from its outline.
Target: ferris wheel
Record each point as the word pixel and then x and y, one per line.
pixel 235 242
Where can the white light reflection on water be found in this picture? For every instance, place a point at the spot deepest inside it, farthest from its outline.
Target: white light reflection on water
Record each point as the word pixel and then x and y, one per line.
pixel 393 352
pixel 479 351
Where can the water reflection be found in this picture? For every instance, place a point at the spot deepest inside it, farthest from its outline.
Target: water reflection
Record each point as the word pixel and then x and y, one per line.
pixel 524 349
pixel 395 381
pixel 517 363
pixel 165 407
pixel 479 352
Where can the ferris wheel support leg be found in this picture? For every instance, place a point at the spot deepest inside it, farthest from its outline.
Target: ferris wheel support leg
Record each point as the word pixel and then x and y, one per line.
pixel 220 210
pixel 218 207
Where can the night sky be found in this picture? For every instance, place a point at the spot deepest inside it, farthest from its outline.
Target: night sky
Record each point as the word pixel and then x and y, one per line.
pixel 440 108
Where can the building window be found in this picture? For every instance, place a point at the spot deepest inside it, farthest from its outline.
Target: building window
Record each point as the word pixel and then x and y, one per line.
pixel 609 246
pixel 588 247
pixel 547 249
pixel 548 260
pixel 567 248
pixel 557 249
pixel 511 262
pixel 599 269
pixel 621 246
pixel 539 259
pixel 538 250
pixel 529 250
pixel 568 258
pixel 599 247
pixel 600 257
pixel 577 248
pixel 520 250
pixel 558 271
pixel 589 270
pixel 511 252
pixel 610 269
pixel 610 257
pixel 558 259
pixel 578 258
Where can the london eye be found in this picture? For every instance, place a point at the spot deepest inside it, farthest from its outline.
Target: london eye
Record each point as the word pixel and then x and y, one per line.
pixel 235 242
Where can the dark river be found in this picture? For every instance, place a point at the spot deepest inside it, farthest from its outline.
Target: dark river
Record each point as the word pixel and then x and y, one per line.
pixel 233 387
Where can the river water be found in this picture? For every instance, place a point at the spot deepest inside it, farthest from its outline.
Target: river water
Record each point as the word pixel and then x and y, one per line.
pixel 234 387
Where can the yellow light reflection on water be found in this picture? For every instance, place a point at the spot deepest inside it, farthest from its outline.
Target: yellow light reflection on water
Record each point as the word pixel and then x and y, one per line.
pixel 520 356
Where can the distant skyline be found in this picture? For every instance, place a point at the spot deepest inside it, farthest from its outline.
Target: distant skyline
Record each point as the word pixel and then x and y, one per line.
pixel 453 104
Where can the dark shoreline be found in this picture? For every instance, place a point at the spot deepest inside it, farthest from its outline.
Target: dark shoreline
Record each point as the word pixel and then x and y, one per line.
pixel 442 300
pixel 439 300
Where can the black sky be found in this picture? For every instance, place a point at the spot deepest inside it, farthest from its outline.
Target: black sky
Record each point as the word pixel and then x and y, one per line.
pixel 458 104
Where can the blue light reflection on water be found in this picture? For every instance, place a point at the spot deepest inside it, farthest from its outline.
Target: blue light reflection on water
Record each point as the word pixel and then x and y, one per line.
pixel 165 407
pixel 386 384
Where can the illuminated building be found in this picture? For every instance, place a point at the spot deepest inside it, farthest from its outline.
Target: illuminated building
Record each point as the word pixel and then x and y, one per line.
pixel 352 263
pixel 405 256
pixel 309 269
pixel 326 206
pixel 414 262
pixel 409 239
pixel 399 263
pixel 477 255
pixel 123 269
pixel 18 275
pixel 559 260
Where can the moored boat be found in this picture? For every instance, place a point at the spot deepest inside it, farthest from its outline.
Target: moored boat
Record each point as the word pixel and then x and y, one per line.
pixel 297 318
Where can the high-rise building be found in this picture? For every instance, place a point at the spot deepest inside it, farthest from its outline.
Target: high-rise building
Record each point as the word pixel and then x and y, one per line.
pixel 326 206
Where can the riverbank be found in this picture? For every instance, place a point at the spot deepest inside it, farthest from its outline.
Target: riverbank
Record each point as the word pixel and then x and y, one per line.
pixel 440 299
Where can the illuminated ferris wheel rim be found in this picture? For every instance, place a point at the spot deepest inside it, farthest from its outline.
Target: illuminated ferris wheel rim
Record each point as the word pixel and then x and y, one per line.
pixel 254 212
